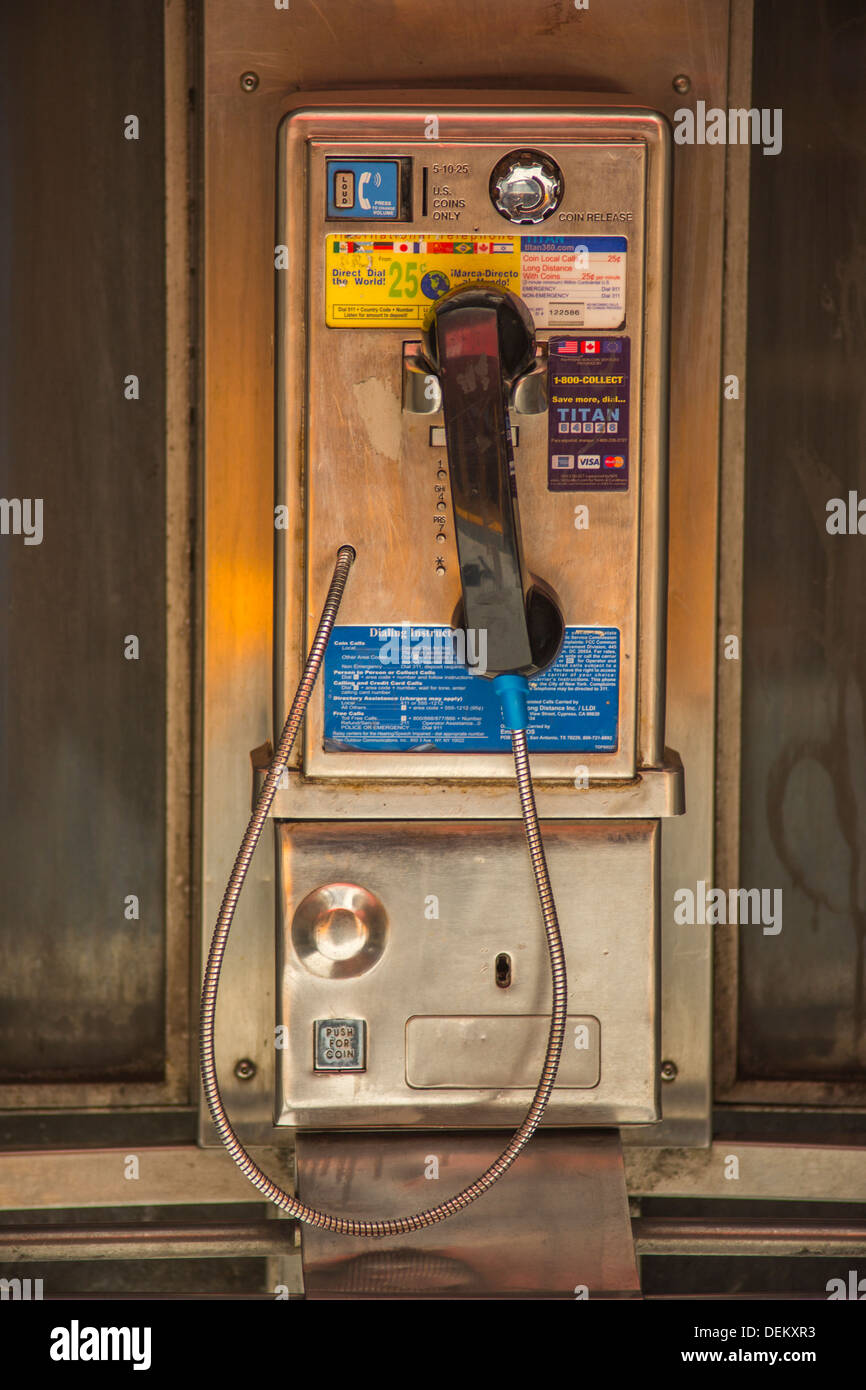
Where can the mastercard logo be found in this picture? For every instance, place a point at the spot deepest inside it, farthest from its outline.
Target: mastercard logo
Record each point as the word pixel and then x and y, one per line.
pixel 614 461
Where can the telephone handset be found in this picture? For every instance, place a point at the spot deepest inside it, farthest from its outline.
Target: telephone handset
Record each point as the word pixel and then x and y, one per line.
pixel 480 340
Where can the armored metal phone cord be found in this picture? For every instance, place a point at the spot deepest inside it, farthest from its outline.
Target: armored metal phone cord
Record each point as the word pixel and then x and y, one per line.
pixel 250 1169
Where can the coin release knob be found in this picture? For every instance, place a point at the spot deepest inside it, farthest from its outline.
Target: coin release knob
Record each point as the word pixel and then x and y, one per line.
pixel 526 186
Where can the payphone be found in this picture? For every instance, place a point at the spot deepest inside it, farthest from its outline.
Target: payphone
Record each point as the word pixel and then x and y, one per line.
pixel 471 373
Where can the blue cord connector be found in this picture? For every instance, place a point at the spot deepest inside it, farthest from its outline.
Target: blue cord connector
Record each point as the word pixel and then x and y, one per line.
pixel 512 691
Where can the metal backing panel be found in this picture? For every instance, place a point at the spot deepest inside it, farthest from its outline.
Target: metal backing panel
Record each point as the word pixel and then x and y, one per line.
pixel 456 898
pixel 556 1225
pixel 363 470
pixel 486 46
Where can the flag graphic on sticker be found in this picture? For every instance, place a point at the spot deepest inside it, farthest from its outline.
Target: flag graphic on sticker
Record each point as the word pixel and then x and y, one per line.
pixel 371 282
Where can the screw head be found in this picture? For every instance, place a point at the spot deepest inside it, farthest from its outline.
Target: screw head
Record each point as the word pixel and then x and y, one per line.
pixel 682 84
pixel 249 81
pixel 669 1071
pixel 245 1069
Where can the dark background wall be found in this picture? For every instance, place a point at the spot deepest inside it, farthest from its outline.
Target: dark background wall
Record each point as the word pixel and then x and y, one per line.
pixel 82 741
pixel 802 1000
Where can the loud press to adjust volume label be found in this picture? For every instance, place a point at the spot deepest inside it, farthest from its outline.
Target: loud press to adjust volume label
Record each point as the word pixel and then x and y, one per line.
pixel 369 190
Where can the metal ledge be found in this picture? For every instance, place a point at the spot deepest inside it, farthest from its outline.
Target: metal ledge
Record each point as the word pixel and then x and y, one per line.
pixel 654 794
pixel 146 1241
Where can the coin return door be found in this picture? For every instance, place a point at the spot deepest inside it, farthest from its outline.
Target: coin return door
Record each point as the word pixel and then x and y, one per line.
pixel 414 983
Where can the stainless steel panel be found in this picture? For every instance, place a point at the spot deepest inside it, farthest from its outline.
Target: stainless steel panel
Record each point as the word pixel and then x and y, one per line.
pixel 456 897
pixel 555 1226
pixel 767 1172
pixel 494 1052
pixel 654 793
pixel 354 464
pixel 779 1237
pixel 181 1175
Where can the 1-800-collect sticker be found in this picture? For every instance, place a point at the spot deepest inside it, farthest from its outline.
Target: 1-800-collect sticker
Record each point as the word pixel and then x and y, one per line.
pixel 565 281
pixel 588 388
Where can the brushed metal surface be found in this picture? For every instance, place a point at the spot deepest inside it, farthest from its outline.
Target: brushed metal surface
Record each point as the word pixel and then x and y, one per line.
pixel 656 792
pixel 184 1175
pixel 497 1052
pixel 767 1172
pixel 458 896
pixel 555 1225
pixel 359 469
pixel 338 930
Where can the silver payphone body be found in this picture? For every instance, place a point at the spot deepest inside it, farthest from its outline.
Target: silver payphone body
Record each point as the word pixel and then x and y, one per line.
pixel 413 983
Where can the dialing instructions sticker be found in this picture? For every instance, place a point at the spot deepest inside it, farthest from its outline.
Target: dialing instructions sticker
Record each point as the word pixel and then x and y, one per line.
pixel 404 688
pixel 565 281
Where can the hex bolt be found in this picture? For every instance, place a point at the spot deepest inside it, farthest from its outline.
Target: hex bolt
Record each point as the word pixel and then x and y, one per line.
pixel 245 1069
pixel 249 81
pixel 669 1071
pixel 682 84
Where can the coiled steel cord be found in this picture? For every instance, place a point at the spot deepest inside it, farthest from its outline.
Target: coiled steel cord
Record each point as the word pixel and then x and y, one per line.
pixel 250 1169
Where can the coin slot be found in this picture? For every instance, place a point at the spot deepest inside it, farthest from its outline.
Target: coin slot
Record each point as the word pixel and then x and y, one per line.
pixel 503 970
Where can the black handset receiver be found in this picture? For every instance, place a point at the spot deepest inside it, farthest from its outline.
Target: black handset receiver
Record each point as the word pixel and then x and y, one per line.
pixel 479 339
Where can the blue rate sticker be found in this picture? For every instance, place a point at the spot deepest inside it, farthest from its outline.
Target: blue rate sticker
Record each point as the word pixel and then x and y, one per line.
pixel 404 688
pixel 588 383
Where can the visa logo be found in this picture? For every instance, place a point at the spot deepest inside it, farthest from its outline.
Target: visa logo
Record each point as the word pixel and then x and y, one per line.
pixel 589 460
